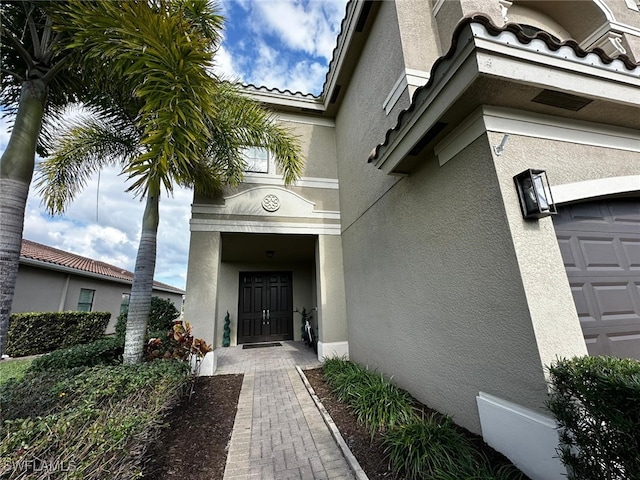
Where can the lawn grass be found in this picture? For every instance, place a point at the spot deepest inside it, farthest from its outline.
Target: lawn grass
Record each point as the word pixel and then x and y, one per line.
pixel 14 368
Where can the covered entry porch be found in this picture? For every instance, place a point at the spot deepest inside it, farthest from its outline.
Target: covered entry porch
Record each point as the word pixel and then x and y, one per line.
pixel 261 279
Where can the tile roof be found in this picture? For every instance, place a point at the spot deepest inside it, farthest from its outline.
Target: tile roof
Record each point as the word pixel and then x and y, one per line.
pixel 43 253
pixel 552 44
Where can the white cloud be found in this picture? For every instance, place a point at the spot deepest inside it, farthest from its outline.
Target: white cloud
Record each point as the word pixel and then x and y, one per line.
pixel 309 27
pixel 284 44
pixel 113 235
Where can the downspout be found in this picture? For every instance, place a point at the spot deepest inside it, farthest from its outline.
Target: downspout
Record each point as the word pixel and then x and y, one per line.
pixel 63 297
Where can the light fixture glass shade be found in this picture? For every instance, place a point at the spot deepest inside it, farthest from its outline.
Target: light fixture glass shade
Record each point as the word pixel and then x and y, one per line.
pixel 534 194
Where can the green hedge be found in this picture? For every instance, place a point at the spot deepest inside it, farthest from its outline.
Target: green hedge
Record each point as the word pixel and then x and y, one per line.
pixel 161 316
pixel 35 333
pixel 596 401
pixel 106 351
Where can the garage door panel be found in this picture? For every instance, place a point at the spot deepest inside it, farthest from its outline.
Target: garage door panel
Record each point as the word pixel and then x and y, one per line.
pixel 631 251
pixel 582 297
pixel 568 257
pixel 600 247
pixel 600 254
pixel 615 301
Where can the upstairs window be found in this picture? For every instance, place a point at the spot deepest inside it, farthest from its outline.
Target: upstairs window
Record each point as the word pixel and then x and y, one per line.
pixel 257 160
pixel 85 301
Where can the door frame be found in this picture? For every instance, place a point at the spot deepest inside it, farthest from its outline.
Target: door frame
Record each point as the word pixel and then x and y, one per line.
pixel 288 333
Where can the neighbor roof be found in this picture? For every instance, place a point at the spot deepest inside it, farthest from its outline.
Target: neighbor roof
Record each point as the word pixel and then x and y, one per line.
pixel 67 260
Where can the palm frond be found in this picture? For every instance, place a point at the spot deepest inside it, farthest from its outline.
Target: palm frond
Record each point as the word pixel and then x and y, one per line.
pixel 83 148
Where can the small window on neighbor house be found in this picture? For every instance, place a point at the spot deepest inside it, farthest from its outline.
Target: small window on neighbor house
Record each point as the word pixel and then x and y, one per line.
pixel 257 159
pixel 85 301
pixel 124 305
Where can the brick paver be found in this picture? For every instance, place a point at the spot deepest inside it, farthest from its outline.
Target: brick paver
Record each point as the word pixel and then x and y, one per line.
pixel 278 432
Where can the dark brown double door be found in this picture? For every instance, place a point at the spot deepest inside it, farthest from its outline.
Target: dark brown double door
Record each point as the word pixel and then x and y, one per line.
pixel 265 310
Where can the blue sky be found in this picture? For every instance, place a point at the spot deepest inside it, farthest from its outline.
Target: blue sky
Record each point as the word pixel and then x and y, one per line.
pixel 285 44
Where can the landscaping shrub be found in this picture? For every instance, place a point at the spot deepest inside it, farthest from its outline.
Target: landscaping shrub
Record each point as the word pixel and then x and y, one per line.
pixel 161 316
pixel 416 447
pixel 426 447
pixel 380 405
pixel 106 351
pixel 177 344
pixel 94 423
pixel 596 401
pixel 35 333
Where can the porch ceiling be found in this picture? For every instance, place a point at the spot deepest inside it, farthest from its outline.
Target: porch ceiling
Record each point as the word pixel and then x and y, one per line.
pixel 252 248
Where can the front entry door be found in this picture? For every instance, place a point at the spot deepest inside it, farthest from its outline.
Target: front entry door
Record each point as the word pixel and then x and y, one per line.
pixel 265 310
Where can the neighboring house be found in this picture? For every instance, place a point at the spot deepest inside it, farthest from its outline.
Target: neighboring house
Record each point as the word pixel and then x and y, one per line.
pixel 406 230
pixel 52 280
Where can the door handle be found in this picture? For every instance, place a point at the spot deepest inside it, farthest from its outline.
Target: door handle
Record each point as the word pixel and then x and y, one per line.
pixel 268 315
pixel 264 315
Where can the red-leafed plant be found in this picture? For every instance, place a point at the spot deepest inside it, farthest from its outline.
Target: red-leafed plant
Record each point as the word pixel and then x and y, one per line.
pixel 179 344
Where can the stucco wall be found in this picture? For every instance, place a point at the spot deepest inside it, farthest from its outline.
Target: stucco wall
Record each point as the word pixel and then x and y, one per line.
pixel 361 122
pixel 43 290
pixel 434 295
pixel 317 145
pixel 332 315
pixel 202 280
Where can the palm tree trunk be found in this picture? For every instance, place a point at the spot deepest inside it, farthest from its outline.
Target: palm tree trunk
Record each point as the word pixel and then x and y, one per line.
pixel 16 169
pixel 142 288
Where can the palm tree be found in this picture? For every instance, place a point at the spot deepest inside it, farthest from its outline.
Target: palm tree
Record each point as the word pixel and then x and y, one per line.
pixel 38 77
pixel 147 131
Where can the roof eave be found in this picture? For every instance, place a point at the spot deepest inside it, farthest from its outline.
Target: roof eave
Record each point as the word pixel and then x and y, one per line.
pixel 479 52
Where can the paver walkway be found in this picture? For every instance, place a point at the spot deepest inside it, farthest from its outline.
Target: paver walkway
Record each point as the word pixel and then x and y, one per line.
pixel 278 432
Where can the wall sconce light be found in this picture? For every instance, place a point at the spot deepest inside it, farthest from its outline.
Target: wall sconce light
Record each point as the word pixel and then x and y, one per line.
pixel 534 194
pixel 269 253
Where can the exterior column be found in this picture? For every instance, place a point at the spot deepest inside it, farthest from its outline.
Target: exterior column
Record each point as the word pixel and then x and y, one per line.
pixel 202 287
pixel 332 312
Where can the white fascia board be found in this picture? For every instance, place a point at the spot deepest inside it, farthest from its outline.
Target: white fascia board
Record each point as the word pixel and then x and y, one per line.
pixel 307 182
pixel 280 99
pixel 199 209
pixel 340 52
pixel 500 55
pixel 240 226
pixel 305 119
pixel 601 187
pixel 548 127
pixel 536 125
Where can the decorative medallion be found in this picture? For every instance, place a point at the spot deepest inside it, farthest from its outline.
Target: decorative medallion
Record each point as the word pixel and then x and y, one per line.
pixel 271 203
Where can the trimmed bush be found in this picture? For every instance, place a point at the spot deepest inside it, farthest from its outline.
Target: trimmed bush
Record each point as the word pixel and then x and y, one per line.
pixel 161 316
pixel 35 333
pixel 106 351
pixel 596 401
pixel 92 424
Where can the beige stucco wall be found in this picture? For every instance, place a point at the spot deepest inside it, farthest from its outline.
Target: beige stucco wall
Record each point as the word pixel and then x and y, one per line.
pixel 434 294
pixel 317 145
pixel 332 315
pixel 43 290
pixel 362 123
pixel 202 280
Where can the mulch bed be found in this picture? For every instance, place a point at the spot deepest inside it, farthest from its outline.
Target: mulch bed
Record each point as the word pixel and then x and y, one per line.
pixel 368 451
pixel 194 445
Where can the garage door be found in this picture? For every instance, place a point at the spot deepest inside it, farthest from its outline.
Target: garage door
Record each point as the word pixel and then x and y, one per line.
pixel 600 245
